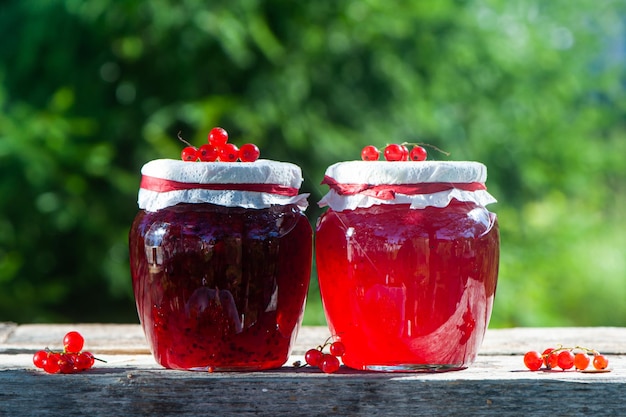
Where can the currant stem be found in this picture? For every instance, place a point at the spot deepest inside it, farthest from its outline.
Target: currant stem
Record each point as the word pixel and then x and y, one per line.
pixel 427 145
pixel 180 138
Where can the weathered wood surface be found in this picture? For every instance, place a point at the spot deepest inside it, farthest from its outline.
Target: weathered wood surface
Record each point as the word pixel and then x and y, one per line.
pixel 132 384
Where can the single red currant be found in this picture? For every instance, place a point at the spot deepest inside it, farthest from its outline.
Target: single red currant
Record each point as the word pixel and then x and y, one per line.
pixel 533 360
pixel 189 154
pixel 66 363
pixel 418 153
pixel 84 360
pixel 405 153
pixel 600 361
pixel 73 342
pixel 313 357
pixel 249 152
pixel 329 363
pixel 52 363
pixel 581 361
pixel 218 137
pixel 370 153
pixel 565 359
pixel 550 359
pixel 39 358
pixel 394 152
pixel 208 153
pixel 229 152
pixel 337 349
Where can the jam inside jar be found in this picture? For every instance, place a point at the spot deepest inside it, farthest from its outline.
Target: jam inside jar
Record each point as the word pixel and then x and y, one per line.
pixel 407 286
pixel 220 287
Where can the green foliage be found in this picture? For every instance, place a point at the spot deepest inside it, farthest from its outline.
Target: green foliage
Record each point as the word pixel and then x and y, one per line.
pixel 89 91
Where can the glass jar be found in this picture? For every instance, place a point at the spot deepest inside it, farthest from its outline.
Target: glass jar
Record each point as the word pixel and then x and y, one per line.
pixel 407 258
pixel 220 257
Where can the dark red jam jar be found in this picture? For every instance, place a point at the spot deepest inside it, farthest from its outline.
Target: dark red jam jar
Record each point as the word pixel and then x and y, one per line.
pixel 220 256
pixel 407 258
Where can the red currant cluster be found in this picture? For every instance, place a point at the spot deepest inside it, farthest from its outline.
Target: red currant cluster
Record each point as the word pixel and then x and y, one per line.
pixel 394 152
pixel 70 361
pixel 566 358
pixel 327 362
pixel 219 149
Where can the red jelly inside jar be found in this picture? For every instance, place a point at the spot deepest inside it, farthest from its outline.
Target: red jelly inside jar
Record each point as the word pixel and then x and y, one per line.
pixel 407 259
pixel 220 269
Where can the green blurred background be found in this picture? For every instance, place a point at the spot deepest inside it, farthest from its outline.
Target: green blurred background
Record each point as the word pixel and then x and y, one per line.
pixel 91 90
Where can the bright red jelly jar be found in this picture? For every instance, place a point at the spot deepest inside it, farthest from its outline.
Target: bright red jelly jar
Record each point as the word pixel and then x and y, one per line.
pixel 220 283
pixel 407 260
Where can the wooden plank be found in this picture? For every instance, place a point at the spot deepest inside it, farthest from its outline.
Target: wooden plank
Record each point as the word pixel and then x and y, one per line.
pixel 110 338
pixel 129 338
pixel 5 331
pixel 130 386
pixel 131 383
pixel 609 340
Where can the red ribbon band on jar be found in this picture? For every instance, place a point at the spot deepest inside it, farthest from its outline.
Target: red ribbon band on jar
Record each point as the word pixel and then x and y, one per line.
pixel 388 191
pixel 161 185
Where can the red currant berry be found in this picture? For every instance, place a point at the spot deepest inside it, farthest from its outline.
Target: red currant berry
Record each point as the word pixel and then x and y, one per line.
pixel 600 361
pixel 565 359
pixel 39 358
pixel 84 361
pixel 533 360
pixel 229 152
pixel 581 361
pixel 394 152
pixel 337 349
pixel 370 153
pixel 313 357
pixel 418 153
pixel 73 342
pixel 218 137
pixel 189 154
pixel 249 152
pixel 208 153
pixel 405 153
pixel 52 363
pixel 550 359
pixel 66 363
pixel 329 363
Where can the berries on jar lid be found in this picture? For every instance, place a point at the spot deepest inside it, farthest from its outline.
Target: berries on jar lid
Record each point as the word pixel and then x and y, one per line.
pixel 218 149
pixel 398 152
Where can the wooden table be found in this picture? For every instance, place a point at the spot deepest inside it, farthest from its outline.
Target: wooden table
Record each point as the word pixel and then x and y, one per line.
pixel 131 383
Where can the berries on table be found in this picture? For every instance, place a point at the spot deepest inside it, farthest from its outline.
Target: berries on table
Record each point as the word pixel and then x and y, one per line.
pixel 329 363
pixel 566 358
pixel 550 359
pixel 600 361
pixel 70 361
pixel 73 342
pixel 313 357
pixel 337 349
pixel 326 362
pixel 533 360
pixel 39 358
pixel 581 361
